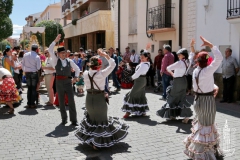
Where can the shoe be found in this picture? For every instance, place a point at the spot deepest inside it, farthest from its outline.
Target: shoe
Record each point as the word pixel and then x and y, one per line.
pixel 185 120
pixel 223 101
pixel 11 111
pixel 49 104
pixel 33 106
pixel 74 123
pixel 118 89
pixel 27 106
pixel 126 115
pixel 162 98
pixel 64 122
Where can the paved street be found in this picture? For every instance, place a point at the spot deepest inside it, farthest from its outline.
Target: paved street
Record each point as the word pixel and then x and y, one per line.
pixel 37 133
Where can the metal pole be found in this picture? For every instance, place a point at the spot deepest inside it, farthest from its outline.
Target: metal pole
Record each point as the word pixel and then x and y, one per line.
pixel 57 34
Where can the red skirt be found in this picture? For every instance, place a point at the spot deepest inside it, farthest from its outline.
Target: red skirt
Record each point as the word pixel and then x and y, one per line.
pixel 8 91
pixel 56 102
pixel 126 85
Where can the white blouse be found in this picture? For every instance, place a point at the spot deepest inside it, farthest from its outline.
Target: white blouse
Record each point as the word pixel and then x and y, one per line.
pixel 141 69
pixel 48 63
pixel 4 72
pixel 100 77
pixel 179 67
pixel 206 80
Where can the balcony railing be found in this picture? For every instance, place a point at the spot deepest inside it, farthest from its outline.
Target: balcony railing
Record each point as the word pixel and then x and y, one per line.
pixel 233 8
pixel 73 1
pixel 66 6
pixel 161 16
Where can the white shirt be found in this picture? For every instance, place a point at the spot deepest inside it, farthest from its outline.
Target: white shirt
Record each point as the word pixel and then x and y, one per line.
pixel 4 72
pixel 63 61
pixel 179 68
pixel 48 63
pixel 141 69
pixel 135 58
pixel 100 77
pixel 31 62
pixel 206 79
pixel 17 63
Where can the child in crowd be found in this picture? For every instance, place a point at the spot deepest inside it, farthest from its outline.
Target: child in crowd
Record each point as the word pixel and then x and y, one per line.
pixel 80 84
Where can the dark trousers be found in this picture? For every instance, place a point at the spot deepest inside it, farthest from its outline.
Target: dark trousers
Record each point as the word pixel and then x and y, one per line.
pixel 54 85
pixel 106 86
pixel 151 80
pixel 17 80
pixel 32 81
pixel 228 88
pixel 159 76
pixel 63 87
pixel 115 81
pixel 189 82
pixel 166 82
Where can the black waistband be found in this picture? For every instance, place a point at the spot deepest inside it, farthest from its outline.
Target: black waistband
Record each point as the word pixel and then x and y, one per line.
pixel 205 94
pixel 94 91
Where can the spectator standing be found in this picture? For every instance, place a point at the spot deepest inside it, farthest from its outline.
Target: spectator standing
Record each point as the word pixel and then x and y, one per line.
pixel 230 68
pixel 157 65
pixel 49 76
pixel 17 67
pixel 114 72
pixel 135 58
pixel 127 55
pixel 167 60
pixel 31 64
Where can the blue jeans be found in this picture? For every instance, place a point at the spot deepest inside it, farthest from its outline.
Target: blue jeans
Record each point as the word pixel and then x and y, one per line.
pixel 115 81
pixel 159 76
pixel 166 82
pixel 32 81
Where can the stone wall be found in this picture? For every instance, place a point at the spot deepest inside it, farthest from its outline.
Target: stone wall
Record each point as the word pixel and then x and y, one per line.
pixel 191 21
pixel 218 81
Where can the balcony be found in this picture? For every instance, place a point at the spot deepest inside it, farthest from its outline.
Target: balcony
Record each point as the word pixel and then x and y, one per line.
pixel 160 18
pixel 73 3
pixel 233 11
pixel 79 1
pixel 98 20
pixel 66 7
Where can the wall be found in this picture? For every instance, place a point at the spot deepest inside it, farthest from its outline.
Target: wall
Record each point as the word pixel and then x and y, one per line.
pixel 97 5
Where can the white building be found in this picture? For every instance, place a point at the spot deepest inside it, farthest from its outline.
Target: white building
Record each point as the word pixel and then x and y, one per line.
pixel 219 22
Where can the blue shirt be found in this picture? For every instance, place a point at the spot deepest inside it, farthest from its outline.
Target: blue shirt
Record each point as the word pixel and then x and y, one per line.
pixel 78 63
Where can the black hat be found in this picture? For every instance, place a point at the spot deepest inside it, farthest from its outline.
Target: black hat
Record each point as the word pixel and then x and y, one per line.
pixel 34 46
pixel 184 52
pixel 61 49
pixel 71 54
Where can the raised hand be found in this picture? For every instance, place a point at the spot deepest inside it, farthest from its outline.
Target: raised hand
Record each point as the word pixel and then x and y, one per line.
pixel 206 42
pixel 192 42
pixel 101 53
pixel 58 38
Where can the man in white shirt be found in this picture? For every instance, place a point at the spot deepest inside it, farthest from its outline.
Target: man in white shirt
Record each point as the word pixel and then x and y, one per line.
pixel 63 81
pixel 135 58
pixel 31 64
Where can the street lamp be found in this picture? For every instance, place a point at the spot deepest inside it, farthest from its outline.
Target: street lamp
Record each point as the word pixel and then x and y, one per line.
pixel 57 20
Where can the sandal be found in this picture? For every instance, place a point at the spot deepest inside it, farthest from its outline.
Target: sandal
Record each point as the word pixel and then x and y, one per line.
pixel 11 111
pixel 185 120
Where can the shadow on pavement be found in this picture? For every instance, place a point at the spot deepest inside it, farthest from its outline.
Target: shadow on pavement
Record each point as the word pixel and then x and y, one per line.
pixel 103 153
pixel 186 128
pixel 142 120
pixel 29 112
pixel 48 108
pixel 4 114
pixel 61 131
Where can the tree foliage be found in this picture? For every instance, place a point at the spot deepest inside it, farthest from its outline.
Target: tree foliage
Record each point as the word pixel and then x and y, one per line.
pixel 6 28
pixel 50 32
pixel 5 8
pixel 3 45
pixel 24 42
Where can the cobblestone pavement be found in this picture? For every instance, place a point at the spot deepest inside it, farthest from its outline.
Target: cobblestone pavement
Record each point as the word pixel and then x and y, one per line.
pixel 37 133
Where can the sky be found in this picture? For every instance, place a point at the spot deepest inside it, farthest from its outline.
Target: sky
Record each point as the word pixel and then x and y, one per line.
pixel 22 9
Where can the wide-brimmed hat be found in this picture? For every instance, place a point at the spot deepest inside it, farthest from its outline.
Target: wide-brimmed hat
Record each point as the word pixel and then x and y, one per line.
pixel 61 49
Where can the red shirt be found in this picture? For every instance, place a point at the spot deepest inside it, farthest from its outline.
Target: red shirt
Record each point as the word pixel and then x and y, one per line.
pixel 167 60
pixel 158 62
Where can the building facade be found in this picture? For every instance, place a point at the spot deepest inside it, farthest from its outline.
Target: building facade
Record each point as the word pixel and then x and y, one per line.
pixel 31 21
pixel 219 21
pixel 157 22
pixel 91 25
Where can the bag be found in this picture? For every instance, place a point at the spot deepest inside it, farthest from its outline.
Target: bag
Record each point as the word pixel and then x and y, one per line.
pixel 24 80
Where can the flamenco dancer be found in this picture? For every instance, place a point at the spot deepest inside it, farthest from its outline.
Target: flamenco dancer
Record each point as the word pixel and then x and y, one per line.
pixel 8 91
pixel 135 101
pixel 203 142
pixel 177 104
pixel 96 129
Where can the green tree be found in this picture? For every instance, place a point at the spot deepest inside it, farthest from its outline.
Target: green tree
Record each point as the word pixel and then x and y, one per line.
pixel 6 28
pixel 3 45
pixel 50 32
pixel 5 8
pixel 24 42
